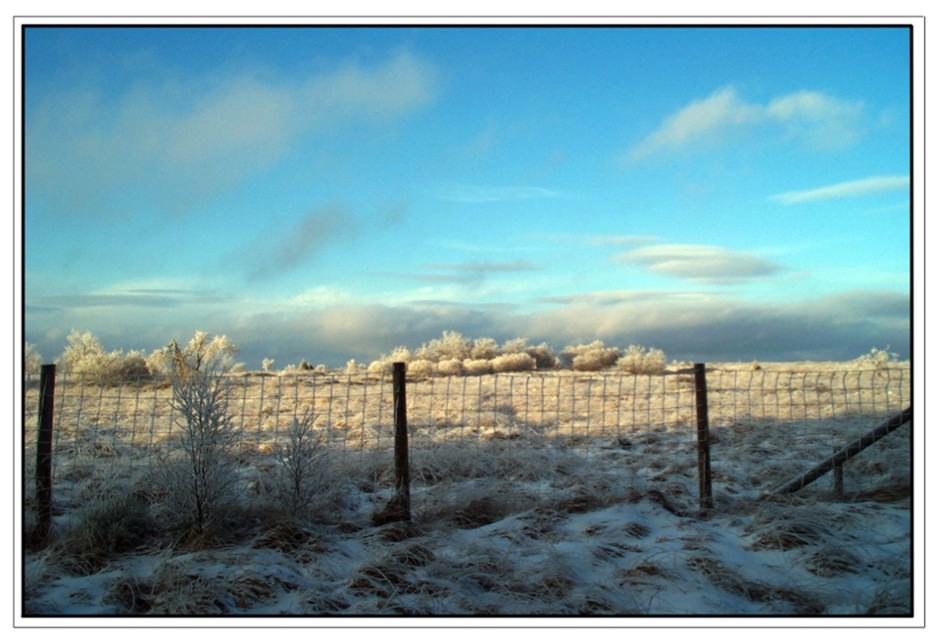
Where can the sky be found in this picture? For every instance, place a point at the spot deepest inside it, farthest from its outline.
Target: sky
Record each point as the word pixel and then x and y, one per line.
pixel 327 193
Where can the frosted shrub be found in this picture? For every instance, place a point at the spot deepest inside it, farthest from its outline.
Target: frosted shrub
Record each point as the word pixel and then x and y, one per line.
pixel 450 367
pixel 160 362
pixel 85 356
pixel 383 365
pixel 590 357
pixel 477 366
pixel 133 367
pixel 513 362
pixel 300 473
pixel 267 364
pixel 545 357
pixel 80 346
pixel 400 354
pixel 32 361
pixel 201 485
pixel 352 367
pixel 517 345
pixel 484 348
pixel 640 360
pixel 451 345
pixel 205 352
pixel 421 368
pixel 878 359
pixel 201 354
pixel 380 367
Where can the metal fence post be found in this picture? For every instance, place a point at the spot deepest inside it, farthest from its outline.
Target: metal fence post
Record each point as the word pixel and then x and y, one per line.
pixel 44 451
pixel 703 442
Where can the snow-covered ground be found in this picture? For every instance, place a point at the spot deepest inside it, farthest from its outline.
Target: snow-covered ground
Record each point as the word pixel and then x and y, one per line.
pixel 518 511
pixel 509 530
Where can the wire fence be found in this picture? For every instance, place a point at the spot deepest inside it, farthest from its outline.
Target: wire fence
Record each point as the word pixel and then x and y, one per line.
pixel 765 425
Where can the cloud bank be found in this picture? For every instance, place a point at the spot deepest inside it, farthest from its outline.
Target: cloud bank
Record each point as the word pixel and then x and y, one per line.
pixel 331 327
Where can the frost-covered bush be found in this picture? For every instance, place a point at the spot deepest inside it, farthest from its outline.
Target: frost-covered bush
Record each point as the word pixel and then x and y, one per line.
pixel 200 484
pixel 384 365
pixel 421 368
pixel 133 367
pixel 545 357
pixel 517 345
pixel 484 348
pixel 84 355
pixel 454 354
pixel 877 358
pixel 32 360
pixel 451 345
pixel 477 366
pixel 380 367
pixel 300 472
pixel 590 357
pixel 450 367
pixel 203 353
pixel 640 360
pixel 267 364
pixel 513 362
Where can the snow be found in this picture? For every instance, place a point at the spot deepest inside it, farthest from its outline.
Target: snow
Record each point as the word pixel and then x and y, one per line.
pixel 605 532
pixel 630 556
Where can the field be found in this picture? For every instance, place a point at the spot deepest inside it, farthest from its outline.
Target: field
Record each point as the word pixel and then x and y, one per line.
pixel 536 494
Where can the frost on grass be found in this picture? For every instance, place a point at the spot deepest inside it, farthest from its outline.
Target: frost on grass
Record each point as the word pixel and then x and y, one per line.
pixel 503 531
pixel 511 517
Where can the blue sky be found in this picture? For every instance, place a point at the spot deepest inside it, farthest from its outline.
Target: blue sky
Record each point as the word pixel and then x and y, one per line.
pixel 332 193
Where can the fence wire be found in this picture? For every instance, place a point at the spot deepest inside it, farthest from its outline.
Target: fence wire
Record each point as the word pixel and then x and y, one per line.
pixel 765 425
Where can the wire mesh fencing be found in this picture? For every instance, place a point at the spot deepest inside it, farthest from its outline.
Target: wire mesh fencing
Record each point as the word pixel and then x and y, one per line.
pixel 765 425
pixel 768 426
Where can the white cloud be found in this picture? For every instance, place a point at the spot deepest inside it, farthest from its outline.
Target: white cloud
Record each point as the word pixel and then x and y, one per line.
pixel 704 264
pixel 845 190
pixel 696 121
pixel 400 84
pixel 813 118
pixel 179 141
pixel 819 120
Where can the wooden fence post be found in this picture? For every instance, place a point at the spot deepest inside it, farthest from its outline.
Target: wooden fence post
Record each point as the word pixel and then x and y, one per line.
pixel 399 507
pixel 703 442
pixel 44 451
pixel 838 483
